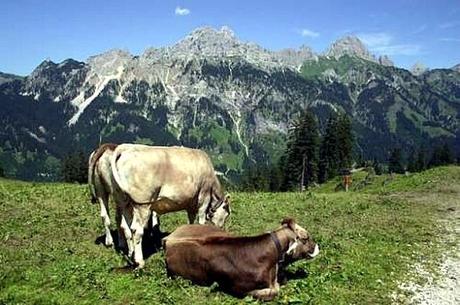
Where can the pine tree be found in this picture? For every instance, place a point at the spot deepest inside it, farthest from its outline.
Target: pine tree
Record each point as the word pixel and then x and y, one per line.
pixel 412 164
pixel 436 157
pixel 378 168
pixel 446 155
pixel 301 167
pixel 276 177
pixel 329 155
pixel 336 151
pixel 345 141
pixel 395 164
pixel 74 168
pixel 421 163
pixel 2 171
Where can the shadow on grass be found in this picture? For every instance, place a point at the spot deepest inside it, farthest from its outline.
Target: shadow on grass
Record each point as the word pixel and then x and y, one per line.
pixel 286 275
pixel 151 244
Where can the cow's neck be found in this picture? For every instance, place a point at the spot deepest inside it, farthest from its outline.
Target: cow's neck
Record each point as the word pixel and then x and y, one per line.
pixel 285 237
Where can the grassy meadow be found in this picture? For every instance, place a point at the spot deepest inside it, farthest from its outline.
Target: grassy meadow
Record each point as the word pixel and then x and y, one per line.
pixel 369 239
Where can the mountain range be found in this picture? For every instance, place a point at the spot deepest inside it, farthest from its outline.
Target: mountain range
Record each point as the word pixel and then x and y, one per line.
pixel 232 98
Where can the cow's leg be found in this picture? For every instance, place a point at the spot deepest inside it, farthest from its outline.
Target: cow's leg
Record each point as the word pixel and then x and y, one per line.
pixel 155 220
pixel 124 228
pixel 141 215
pixel 104 203
pixel 191 213
pixel 266 294
pixel 204 199
pixel 122 244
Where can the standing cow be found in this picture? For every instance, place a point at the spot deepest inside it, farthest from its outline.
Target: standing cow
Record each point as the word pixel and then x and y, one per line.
pixel 100 184
pixel 240 265
pixel 163 180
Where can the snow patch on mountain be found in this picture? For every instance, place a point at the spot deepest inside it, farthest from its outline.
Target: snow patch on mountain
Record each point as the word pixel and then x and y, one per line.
pixel 82 104
pixel 34 136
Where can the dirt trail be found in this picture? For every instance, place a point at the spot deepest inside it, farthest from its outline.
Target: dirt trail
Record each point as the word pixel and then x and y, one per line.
pixel 445 288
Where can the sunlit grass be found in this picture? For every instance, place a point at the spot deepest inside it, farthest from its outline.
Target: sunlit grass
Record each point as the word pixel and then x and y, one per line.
pixel 368 241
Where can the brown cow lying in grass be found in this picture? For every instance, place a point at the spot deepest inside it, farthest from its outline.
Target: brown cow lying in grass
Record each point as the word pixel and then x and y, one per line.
pixel 240 265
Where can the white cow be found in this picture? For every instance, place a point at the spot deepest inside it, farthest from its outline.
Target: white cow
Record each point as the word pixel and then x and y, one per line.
pixel 163 180
pixel 100 183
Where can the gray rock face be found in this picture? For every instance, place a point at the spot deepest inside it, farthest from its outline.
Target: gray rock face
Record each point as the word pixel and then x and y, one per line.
pixel 56 81
pixel 456 68
pixel 209 43
pixel 384 60
pixel 349 45
pixel 295 58
pixel 418 69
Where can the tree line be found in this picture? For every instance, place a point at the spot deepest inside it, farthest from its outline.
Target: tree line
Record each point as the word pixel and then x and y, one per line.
pixel 309 158
pixel 420 159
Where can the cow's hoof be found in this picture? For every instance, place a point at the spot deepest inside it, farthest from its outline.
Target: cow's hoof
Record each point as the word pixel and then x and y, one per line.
pixel 140 265
pixel 108 242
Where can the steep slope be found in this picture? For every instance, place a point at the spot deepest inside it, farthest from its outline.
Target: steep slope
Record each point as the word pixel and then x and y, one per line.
pixel 394 106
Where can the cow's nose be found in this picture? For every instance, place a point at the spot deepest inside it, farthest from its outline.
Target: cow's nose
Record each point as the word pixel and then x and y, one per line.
pixel 315 252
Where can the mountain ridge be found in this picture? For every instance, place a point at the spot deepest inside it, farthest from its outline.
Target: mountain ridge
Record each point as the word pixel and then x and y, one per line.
pixel 232 98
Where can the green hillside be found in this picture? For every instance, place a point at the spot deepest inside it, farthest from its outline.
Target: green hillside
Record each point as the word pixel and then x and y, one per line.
pixel 368 238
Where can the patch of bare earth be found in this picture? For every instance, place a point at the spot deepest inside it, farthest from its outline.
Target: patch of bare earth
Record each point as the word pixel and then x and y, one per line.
pixel 441 287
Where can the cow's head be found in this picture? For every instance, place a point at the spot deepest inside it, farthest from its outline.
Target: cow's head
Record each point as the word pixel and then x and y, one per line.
pixel 218 211
pixel 303 246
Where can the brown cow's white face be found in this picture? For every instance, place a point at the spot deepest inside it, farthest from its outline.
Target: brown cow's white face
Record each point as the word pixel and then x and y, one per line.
pixel 303 247
pixel 218 214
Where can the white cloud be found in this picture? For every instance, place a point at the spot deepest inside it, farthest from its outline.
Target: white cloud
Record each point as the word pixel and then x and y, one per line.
pixel 309 33
pixel 383 44
pixel 181 11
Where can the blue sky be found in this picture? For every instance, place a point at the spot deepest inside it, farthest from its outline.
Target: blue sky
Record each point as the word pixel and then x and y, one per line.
pixel 408 31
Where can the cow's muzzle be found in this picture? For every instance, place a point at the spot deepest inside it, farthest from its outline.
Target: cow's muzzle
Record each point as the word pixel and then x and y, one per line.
pixel 315 251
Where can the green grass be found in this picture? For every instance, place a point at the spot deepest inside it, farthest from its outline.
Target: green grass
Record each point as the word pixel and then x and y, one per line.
pixel 368 240
pixel 341 66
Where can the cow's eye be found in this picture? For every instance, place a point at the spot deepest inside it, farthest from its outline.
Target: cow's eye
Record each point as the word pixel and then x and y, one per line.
pixel 304 240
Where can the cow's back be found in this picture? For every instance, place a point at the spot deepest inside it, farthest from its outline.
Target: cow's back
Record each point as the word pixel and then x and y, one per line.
pixel 195 231
pixel 170 173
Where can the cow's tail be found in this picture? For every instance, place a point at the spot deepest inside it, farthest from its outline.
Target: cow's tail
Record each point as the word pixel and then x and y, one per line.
pixel 93 159
pixel 115 174
pixel 91 168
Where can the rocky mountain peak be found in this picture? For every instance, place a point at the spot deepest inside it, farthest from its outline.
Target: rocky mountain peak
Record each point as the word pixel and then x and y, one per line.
pixel 208 33
pixel 349 45
pixel 418 69
pixel 296 57
pixel 221 44
pixel 384 60
pixel 43 66
pixel 209 42
pixel 110 62
pixel 456 68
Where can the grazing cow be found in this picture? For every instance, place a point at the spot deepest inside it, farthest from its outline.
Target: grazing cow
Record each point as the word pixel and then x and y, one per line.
pixel 100 183
pixel 163 180
pixel 240 265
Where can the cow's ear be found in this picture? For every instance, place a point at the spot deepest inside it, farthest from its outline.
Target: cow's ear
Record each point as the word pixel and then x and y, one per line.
pixel 289 222
pixel 227 199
